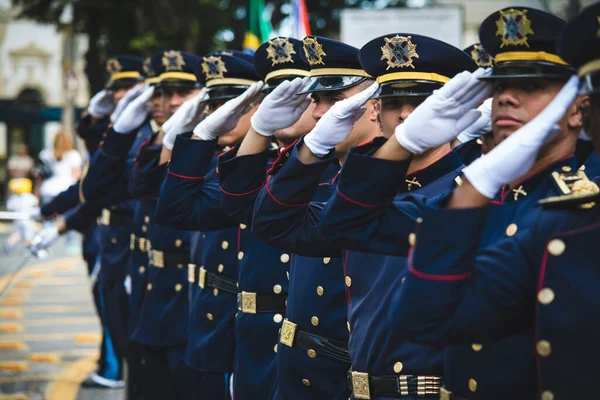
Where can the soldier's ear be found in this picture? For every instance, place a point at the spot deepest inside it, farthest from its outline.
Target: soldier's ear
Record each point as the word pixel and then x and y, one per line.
pixel 575 113
pixel 373 111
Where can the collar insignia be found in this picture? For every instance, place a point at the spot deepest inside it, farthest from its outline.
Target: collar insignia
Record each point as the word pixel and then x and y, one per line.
pixel 399 52
pixel 113 66
pixel 213 67
pixel 280 51
pixel 413 181
pixel 481 57
pixel 513 27
pixel 313 51
pixel 173 60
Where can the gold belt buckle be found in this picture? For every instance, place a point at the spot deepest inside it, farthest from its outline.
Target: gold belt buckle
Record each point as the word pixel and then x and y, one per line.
pixel 132 242
pixel 248 303
pixel 445 394
pixel 202 277
pixel 105 218
pixel 191 272
pixel 144 244
pixel 288 331
pixel 360 385
pixel 158 259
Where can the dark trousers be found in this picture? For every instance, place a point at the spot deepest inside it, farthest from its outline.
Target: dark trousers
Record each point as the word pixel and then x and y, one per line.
pixel 204 385
pixel 159 374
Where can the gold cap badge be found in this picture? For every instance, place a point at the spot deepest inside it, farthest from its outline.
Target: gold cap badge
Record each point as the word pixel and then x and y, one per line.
pixel 313 51
pixel 513 27
pixel 399 52
pixel 481 57
pixel 280 51
pixel 147 68
pixel 113 66
pixel 173 60
pixel 213 67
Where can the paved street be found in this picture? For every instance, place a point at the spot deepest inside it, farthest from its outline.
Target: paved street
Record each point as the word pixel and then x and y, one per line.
pixel 49 332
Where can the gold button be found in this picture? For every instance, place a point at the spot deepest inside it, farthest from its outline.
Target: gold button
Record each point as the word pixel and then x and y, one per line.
pixel 149 287
pixel 113 240
pixel 320 290
pixel 547 395
pixel 543 348
pixel 566 168
pixel 144 228
pixel 275 348
pixel 215 292
pixel 556 247
pixel 314 321
pixel 326 260
pixel 511 230
pixel 472 385
pixel 277 318
pixel 209 316
pixel 178 287
pixel 412 239
pixel 476 346
pixel 240 255
pixel 178 243
pixel 220 268
pixel 398 367
pixel 306 382
pixel 419 220
pixel 142 269
pixel 147 219
pixel 225 245
pixel 179 266
pixel 284 258
pixel 311 353
pixel 582 168
pixel 348 281
pixel 287 273
pixel 277 289
pixel 242 226
pixel 479 141
pixel 348 325
pixel 545 296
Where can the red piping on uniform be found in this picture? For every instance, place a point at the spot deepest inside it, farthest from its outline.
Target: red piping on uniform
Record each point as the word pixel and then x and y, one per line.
pixel 245 193
pixel 434 277
pixel 193 178
pixel 424 168
pixel 283 204
pixel 357 202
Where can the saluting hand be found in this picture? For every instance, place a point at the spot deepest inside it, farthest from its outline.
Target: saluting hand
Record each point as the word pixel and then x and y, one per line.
pixel 125 101
pixel 281 108
pixel 480 127
pixel 135 113
pixel 190 114
pixel 228 115
pixel 101 104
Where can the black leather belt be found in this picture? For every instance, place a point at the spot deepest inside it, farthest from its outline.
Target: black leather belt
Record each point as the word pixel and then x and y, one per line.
pixel 115 218
pixel 253 303
pixel 315 345
pixel 160 259
pixel 207 279
pixel 365 386
pixel 137 243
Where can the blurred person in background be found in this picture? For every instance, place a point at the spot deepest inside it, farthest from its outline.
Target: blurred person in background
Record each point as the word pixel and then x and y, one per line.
pixel 20 164
pixel 21 200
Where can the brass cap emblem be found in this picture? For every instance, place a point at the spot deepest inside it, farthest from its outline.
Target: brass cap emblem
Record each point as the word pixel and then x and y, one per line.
pixel 481 57
pixel 513 27
pixel 280 51
pixel 313 51
pixel 213 67
pixel 399 52
pixel 113 66
pixel 173 60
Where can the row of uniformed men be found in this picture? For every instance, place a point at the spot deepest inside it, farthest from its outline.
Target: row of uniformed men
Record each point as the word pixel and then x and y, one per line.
pixel 403 275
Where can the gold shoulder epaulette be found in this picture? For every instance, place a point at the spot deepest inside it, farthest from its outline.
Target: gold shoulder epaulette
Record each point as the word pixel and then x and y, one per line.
pixel 575 190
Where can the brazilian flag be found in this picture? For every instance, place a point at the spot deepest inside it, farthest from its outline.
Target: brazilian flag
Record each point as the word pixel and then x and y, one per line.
pixel 259 27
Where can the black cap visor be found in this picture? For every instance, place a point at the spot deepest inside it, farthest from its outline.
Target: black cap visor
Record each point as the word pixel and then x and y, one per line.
pixel 331 83
pixel 529 69
pixel 123 83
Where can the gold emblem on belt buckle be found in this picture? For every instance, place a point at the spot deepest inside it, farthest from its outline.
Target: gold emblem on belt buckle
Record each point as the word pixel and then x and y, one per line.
pixel 105 218
pixel 191 272
pixel 202 277
pixel 248 303
pixel 445 394
pixel 132 242
pixel 288 331
pixel 158 259
pixel 360 385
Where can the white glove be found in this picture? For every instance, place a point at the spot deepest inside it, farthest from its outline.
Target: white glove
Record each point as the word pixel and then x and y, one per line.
pixel 135 113
pixel 444 114
pixel 480 127
pixel 514 157
pixel 43 239
pixel 185 118
pixel 228 115
pixel 101 104
pixel 335 126
pixel 127 285
pixel 281 108
pixel 125 101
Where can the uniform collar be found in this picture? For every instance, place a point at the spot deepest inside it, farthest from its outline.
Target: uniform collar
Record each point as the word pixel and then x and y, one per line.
pixel 526 187
pixel 154 126
pixel 420 178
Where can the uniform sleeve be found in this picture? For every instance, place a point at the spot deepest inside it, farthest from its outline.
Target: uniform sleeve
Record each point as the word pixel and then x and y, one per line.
pixel 190 197
pixel 285 215
pixel 83 217
pixel 63 202
pixel 241 179
pixel 457 293
pixel 362 214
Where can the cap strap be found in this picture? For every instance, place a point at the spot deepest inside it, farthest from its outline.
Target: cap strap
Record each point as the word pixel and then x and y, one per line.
pixel 125 74
pixel 338 71
pixel 529 56
pixel 588 68
pixel 426 76
pixel 229 81
pixel 286 72
pixel 186 76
